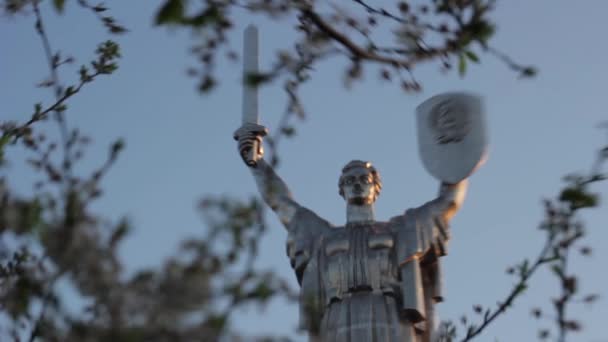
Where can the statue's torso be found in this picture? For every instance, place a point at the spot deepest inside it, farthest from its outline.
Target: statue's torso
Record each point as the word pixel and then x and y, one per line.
pixel 358 259
pixel 352 285
pixel 359 280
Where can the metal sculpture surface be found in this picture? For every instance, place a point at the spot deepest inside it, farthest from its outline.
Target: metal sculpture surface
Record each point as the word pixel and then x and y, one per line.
pixel 369 280
pixel 451 135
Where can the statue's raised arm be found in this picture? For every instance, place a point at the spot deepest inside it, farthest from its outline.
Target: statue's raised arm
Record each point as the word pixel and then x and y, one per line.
pixel 450 199
pixel 452 144
pixel 249 136
pixel 271 187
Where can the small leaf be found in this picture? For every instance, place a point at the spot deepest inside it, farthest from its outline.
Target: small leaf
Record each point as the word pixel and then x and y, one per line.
pixel 69 91
pixel 100 8
pixel 528 72
pixel 256 79
pixel 472 56
pixel 578 198
pixel 117 29
pixel 570 284
pixel 4 140
pixel 216 322
pixel 462 65
pixel 585 250
pixel 210 15
pixel 523 268
pixel 520 288
pixel 172 12
pixel 572 325
pixel 116 147
pixel 591 298
pixel 288 131
pixel 262 292
pixel 558 271
pixel 207 84
pixel 59 5
pixel 119 233
pixel 604 153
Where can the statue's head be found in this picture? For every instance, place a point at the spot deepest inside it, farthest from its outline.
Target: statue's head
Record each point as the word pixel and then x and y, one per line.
pixel 359 183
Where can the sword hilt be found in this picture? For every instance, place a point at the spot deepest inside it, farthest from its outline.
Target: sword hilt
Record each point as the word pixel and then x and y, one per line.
pixel 255 152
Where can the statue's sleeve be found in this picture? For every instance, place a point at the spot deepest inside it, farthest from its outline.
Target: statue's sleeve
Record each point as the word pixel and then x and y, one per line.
pixel 303 232
pixel 432 227
pixel 312 295
pixel 422 236
pixel 305 235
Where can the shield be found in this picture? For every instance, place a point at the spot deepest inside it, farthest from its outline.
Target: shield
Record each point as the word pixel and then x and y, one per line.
pixel 452 139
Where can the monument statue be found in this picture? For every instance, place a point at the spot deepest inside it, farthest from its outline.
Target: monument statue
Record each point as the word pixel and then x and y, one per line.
pixel 370 280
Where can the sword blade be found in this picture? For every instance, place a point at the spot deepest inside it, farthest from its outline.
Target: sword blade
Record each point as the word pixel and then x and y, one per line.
pixel 250 67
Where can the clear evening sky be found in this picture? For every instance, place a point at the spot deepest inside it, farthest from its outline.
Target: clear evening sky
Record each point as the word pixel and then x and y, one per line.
pixel 180 147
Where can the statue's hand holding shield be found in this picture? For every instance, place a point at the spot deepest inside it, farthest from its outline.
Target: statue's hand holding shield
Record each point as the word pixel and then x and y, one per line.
pixel 452 137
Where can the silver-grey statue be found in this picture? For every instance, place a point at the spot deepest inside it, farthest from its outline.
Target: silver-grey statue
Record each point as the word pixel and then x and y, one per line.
pixel 370 280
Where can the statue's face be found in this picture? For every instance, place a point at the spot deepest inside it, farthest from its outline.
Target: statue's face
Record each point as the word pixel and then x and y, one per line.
pixel 358 186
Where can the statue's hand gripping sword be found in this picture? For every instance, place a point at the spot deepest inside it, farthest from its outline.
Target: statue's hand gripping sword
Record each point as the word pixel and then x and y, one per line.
pixel 250 128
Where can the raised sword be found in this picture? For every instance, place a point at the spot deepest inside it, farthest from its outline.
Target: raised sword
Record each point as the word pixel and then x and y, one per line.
pixel 250 118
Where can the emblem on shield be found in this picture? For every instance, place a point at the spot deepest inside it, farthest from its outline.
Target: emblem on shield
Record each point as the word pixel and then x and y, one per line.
pixel 449 121
pixel 452 137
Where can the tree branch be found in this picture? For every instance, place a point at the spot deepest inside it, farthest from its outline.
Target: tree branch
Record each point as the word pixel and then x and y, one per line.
pixel 354 49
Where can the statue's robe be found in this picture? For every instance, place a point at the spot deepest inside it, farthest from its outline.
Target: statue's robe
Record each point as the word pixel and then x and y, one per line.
pixel 368 282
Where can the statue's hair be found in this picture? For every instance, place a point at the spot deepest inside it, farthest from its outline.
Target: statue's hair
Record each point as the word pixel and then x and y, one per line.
pixel 364 165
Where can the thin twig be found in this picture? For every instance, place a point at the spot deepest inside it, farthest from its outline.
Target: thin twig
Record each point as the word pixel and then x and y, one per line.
pixel 380 11
pixel 59 117
pixel 19 131
pixel 383 12
pixel 353 48
pixel 515 292
pixel 509 61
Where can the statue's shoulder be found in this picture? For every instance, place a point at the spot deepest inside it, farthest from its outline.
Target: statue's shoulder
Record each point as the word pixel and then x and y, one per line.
pixel 410 219
pixel 414 214
pixel 400 221
pixel 306 226
pixel 327 237
pixel 306 218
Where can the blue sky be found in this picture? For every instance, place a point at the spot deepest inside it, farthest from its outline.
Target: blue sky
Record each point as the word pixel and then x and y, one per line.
pixel 180 147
